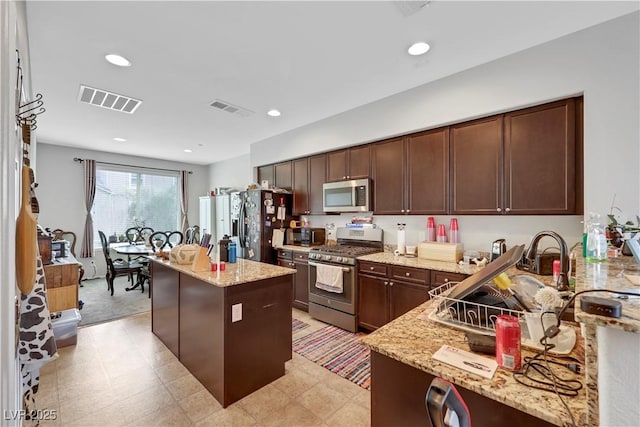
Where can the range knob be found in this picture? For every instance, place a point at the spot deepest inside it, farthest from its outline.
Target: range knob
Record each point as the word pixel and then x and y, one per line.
pixel 327 257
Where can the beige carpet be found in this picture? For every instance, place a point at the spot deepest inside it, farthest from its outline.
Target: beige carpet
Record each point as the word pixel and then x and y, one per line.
pixel 99 306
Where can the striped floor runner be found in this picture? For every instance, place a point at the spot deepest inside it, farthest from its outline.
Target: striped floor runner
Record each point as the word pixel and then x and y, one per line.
pixel 338 351
pixel 297 325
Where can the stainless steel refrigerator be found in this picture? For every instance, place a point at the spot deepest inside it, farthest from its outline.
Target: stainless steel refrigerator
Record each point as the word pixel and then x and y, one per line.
pixel 261 211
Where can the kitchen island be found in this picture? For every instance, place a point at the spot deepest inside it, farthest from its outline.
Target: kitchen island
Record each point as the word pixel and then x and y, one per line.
pixel 231 329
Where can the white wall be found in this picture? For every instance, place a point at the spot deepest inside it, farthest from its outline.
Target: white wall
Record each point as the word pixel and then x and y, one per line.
pixel 60 189
pixel 235 173
pixel 602 63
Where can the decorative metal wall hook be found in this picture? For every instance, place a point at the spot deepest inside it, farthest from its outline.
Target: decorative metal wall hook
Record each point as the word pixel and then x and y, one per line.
pixel 34 107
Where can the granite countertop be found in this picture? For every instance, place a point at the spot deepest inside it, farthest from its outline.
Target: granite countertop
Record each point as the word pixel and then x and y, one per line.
pixel 242 271
pixel 609 275
pixel 413 338
pixel 390 258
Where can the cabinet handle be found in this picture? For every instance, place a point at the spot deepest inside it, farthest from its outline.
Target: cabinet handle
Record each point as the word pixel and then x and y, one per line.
pixel 408 210
pixel 348 177
pixel 446 280
pixel 507 210
pixel 344 177
pixel 402 210
pixel 498 210
pixel 390 283
pixel 371 268
pixel 407 274
pixel 386 283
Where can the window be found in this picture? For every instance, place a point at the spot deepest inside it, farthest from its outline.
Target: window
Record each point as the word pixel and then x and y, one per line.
pixel 128 197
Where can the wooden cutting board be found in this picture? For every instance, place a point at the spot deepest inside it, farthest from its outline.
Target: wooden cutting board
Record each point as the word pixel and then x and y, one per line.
pixel 26 239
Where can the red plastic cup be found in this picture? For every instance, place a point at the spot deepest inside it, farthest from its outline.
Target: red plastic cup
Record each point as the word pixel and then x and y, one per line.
pixel 214 266
pixel 223 266
pixel 442 233
pixel 431 229
pixel 453 230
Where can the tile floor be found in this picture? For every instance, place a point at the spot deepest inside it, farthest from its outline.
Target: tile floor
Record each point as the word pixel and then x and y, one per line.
pixel 120 374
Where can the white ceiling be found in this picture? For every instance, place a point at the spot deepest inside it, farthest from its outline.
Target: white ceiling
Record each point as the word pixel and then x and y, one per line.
pixel 310 60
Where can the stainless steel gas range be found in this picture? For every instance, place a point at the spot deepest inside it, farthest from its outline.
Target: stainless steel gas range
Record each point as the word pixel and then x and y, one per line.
pixel 333 284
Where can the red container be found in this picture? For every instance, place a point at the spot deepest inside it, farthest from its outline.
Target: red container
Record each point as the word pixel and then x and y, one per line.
pixel 431 229
pixel 508 336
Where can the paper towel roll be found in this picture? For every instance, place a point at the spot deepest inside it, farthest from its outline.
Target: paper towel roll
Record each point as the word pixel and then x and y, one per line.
pixel 401 242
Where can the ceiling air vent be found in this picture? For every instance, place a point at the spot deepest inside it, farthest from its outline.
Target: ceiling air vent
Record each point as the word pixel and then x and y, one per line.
pixel 106 99
pixel 230 108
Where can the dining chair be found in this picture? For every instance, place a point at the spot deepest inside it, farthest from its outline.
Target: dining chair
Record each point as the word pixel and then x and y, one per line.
pixel 160 240
pixel 138 234
pixel 117 267
pixel 192 235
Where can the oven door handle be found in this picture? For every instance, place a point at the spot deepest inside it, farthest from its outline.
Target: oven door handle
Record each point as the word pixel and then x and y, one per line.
pixel 313 264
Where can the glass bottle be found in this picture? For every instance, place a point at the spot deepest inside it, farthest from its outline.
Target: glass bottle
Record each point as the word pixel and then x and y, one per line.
pixel 596 239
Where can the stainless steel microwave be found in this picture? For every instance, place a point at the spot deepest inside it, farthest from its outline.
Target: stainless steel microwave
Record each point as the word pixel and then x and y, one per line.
pixel 347 196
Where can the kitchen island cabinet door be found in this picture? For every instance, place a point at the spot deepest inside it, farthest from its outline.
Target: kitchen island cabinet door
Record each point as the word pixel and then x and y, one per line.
pixel 428 173
pixel 477 167
pixel 398 393
pixel 540 159
pixel 388 174
pixel 165 299
pixel 373 305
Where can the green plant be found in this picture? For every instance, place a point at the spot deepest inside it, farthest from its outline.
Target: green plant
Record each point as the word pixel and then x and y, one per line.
pixel 627 225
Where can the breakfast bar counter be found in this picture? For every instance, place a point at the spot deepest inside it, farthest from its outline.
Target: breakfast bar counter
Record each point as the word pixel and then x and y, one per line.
pixel 231 329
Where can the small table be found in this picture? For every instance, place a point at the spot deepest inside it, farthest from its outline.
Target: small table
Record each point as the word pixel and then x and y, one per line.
pixel 128 250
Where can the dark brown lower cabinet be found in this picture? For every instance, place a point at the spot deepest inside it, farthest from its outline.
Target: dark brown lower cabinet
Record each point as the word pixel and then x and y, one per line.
pixel 398 393
pixel 384 295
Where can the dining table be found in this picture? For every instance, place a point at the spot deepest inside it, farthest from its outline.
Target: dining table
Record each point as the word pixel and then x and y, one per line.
pixel 132 250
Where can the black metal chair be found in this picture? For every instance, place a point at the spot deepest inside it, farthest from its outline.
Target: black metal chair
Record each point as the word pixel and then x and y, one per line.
pixel 117 267
pixel 192 235
pixel 159 240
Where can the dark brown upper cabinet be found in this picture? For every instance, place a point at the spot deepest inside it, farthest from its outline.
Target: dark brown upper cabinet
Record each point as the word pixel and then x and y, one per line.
pixel 283 175
pixel 476 167
pixel 266 173
pixel 388 176
pixel 540 160
pixel 522 162
pixel 309 174
pixel 427 177
pixel 410 174
pixel 350 163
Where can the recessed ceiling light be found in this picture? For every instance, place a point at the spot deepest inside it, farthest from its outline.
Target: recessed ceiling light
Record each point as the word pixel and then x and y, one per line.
pixel 118 60
pixel 419 48
pixel 119 139
pixel 188 151
pixel 273 113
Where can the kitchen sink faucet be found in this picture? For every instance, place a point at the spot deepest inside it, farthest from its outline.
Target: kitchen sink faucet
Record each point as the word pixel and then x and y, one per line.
pixel 563 280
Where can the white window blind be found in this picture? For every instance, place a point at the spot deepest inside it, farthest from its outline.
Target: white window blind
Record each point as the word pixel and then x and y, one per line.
pixel 128 197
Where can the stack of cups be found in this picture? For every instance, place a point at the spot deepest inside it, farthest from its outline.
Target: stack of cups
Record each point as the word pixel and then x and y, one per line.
pixel 442 234
pixel 431 229
pixel 453 231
